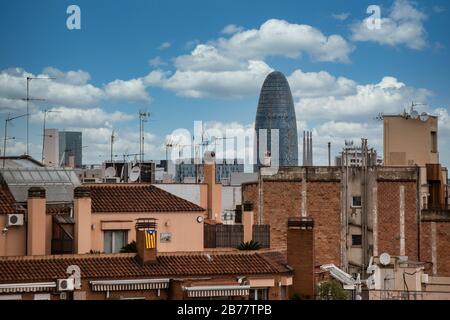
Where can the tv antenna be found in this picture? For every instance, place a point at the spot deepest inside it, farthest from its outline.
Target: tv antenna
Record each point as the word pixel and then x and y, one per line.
pixel 28 99
pixel 8 120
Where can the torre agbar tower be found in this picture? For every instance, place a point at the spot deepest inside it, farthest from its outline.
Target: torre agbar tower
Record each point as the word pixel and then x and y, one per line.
pixel 276 111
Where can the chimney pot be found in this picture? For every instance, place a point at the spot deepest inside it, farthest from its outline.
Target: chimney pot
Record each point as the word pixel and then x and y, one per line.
pixel 248 206
pixel 81 192
pixel 36 192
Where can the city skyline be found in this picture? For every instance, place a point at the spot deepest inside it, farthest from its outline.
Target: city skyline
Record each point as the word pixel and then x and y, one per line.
pixel 166 62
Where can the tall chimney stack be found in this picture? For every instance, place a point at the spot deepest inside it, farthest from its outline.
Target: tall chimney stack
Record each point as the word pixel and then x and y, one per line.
pixel 146 240
pixel 248 221
pixel 304 149
pixel 36 233
pixel 214 190
pixel 300 256
pixel 82 215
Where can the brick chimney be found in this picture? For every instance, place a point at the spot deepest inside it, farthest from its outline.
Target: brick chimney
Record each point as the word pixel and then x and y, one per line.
pixel 146 240
pixel 247 221
pixel 300 256
pixel 214 190
pixel 36 221
pixel 82 216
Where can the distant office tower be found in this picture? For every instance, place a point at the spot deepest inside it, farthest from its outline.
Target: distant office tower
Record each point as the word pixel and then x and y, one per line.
pixel 187 171
pixel 70 145
pixel 51 148
pixel 276 111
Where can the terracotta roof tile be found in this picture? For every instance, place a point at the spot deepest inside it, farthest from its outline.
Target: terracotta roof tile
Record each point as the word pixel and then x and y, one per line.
pixel 7 200
pixel 58 210
pixel 113 266
pixel 137 198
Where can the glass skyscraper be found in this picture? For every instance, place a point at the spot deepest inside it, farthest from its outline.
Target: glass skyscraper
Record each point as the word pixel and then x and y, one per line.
pixel 70 144
pixel 276 111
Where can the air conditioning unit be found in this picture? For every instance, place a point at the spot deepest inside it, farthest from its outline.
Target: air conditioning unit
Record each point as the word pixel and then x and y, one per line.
pixel 112 180
pixel 65 284
pixel 14 219
pixel 424 278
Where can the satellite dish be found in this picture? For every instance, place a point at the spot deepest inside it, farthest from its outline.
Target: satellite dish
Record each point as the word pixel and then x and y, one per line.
pixel 385 259
pixel 414 115
pixel 424 117
pixel 135 173
pixel 110 172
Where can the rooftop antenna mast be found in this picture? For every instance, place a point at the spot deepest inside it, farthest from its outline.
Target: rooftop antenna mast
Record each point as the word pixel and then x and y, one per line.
pixel 28 99
pixel 112 144
pixel 169 144
pixel 143 117
pixel 8 119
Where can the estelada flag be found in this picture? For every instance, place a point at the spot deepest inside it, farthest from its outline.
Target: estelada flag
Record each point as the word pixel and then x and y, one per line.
pixel 150 239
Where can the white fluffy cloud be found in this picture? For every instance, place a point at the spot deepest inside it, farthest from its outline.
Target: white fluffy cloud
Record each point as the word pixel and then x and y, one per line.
pixel 279 37
pixel 319 84
pixel 403 25
pixel 129 90
pixel 234 66
pixel 69 88
pixel 93 117
pixel 341 16
pixel 165 45
pixel 388 96
pixel 199 83
pixel 207 58
pixel 232 28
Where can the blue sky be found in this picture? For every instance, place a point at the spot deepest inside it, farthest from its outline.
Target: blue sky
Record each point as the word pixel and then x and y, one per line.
pixel 179 61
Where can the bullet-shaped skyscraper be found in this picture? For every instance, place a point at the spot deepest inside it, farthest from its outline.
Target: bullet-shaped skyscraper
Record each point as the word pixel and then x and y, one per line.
pixel 276 111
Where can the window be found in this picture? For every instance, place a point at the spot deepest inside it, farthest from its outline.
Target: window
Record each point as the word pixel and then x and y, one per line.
pixel 356 240
pixel 258 294
pixel 114 240
pixel 433 141
pixel 356 201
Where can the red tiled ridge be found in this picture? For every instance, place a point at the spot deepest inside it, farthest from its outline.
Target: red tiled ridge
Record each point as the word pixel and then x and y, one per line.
pixel 137 198
pixel 114 266
pixel 57 210
pixel 7 200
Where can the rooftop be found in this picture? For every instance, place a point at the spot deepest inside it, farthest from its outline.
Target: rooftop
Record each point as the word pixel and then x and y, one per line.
pixel 7 202
pixel 58 182
pixel 23 161
pixel 137 198
pixel 126 265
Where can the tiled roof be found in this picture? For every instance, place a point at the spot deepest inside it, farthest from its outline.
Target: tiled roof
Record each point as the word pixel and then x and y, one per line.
pixel 58 210
pixel 122 266
pixel 6 200
pixel 137 198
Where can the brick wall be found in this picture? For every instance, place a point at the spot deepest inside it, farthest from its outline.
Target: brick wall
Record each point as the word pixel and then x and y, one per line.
pixel 425 244
pixel 443 248
pixel 442 238
pixel 300 255
pixel 389 218
pixel 325 208
pixel 283 199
